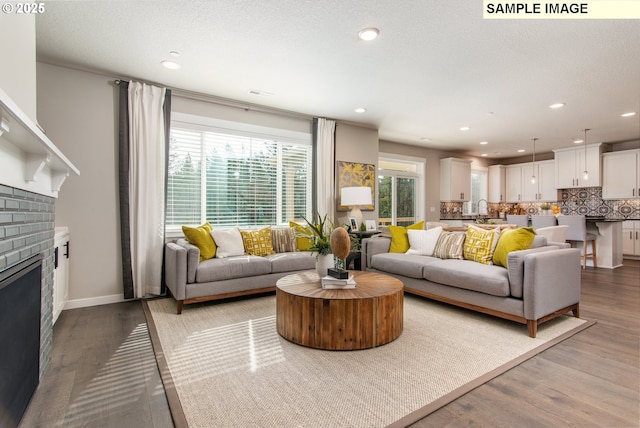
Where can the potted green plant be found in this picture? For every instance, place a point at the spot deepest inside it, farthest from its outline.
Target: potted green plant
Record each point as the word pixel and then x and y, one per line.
pixel 320 229
pixel 545 208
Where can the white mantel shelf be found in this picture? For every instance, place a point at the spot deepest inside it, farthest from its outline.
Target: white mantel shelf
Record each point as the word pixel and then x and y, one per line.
pixel 29 159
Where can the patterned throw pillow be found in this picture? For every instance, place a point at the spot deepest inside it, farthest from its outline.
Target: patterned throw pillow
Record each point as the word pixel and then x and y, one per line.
pixel 400 238
pixel 512 240
pixel 449 245
pixel 480 244
pixel 257 242
pixel 283 239
pixel 201 237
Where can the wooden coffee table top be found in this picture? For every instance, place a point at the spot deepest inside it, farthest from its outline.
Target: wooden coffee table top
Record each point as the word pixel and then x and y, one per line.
pixel 339 319
pixel 369 285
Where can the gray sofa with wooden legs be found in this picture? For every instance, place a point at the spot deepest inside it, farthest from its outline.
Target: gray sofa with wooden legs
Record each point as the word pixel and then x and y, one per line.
pixel 539 284
pixel 190 280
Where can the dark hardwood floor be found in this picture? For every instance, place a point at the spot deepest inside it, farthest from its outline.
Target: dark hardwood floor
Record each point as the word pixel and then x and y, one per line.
pixel 103 371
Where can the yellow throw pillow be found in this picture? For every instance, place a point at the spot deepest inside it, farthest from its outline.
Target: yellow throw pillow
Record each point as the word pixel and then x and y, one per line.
pixel 512 240
pixel 303 243
pixel 479 244
pixel 400 238
pixel 257 242
pixel 201 237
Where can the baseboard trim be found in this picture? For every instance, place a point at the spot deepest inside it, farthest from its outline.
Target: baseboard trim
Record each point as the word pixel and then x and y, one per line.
pixel 93 301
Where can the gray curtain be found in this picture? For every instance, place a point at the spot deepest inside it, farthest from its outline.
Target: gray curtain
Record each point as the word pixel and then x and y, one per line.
pixel 123 160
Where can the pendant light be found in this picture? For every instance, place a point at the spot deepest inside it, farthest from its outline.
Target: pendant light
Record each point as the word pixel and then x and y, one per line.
pixel 533 161
pixel 585 173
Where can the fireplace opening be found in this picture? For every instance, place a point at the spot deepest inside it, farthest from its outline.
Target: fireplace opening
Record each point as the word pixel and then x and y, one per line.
pixel 20 292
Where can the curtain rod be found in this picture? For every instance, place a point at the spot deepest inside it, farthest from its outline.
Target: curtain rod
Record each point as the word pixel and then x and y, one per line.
pixel 226 102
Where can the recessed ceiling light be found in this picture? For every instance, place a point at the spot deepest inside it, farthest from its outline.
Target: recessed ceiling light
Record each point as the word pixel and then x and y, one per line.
pixel 484 143
pixel 521 150
pixel 464 128
pixel 360 110
pixel 174 54
pixel 368 33
pixel 425 139
pixel 557 105
pixel 484 154
pixel 170 65
pixel 578 141
pixel 631 113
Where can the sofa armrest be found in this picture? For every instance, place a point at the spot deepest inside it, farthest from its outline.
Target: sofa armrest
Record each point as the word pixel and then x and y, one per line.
pixel 373 246
pixel 552 281
pixel 175 269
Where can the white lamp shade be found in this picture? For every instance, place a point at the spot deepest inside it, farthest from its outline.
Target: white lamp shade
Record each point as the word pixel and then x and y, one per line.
pixel 352 196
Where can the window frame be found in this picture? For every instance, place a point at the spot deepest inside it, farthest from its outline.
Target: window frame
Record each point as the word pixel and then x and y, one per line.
pixel 206 124
pixel 419 175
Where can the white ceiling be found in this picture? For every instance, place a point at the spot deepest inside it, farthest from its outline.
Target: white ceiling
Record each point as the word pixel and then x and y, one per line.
pixel 436 66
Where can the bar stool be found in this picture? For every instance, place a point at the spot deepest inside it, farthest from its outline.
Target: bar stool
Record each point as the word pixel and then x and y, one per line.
pixel 520 220
pixel 578 233
pixel 539 221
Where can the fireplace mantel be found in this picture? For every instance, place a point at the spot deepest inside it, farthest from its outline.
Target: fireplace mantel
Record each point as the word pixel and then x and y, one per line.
pixel 29 159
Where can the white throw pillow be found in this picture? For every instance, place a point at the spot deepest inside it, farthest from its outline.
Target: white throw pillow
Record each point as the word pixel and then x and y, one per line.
pixel 229 242
pixel 423 242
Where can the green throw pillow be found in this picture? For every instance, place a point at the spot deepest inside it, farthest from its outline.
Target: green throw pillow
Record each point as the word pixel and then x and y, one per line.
pixel 400 237
pixel 512 240
pixel 201 237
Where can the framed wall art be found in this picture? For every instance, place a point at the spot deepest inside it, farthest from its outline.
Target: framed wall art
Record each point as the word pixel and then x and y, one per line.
pixel 353 174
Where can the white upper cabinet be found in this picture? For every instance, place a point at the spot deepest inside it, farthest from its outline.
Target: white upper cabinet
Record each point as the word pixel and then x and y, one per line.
pixel 570 165
pixel 621 178
pixel 497 183
pixel 455 179
pixel 519 187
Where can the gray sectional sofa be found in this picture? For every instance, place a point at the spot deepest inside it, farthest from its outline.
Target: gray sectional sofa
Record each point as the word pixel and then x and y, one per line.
pixel 189 280
pixel 538 285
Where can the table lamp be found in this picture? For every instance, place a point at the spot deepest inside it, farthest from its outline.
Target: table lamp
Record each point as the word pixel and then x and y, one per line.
pixel 355 197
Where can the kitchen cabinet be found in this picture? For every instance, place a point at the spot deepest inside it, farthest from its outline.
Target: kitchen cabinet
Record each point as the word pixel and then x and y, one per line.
pixel 497 184
pixel 455 179
pixel 518 182
pixel 631 237
pixel 621 178
pixel 61 270
pixel 570 165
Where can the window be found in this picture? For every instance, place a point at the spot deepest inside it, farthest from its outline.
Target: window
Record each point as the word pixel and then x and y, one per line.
pixel 478 204
pixel 233 174
pixel 400 190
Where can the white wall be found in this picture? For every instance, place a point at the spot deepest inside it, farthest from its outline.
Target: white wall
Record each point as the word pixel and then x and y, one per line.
pixel 18 70
pixel 78 110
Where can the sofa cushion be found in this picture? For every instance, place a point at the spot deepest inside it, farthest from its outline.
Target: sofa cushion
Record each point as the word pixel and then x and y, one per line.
pixel 469 275
pixel 283 239
pixel 201 237
pixel 515 268
pixel 402 264
pixel 303 236
pixel 449 245
pixel 512 240
pixel 539 241
pixel 229 242
pixel 399 237
pixel 257 242
pixel 423 242
pixel 217 269
pixel 292 261
pixel 479 244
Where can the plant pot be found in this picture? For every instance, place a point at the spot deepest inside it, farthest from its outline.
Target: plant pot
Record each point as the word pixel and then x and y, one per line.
pixel 323 263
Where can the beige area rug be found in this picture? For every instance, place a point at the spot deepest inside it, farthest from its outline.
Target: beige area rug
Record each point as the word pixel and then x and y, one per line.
pixel 224 365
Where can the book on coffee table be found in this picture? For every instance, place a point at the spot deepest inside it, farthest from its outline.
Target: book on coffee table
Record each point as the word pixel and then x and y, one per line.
pixel 329 282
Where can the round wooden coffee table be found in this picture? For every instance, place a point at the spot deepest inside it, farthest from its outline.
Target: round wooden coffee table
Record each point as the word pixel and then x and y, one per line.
pixel 364 317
